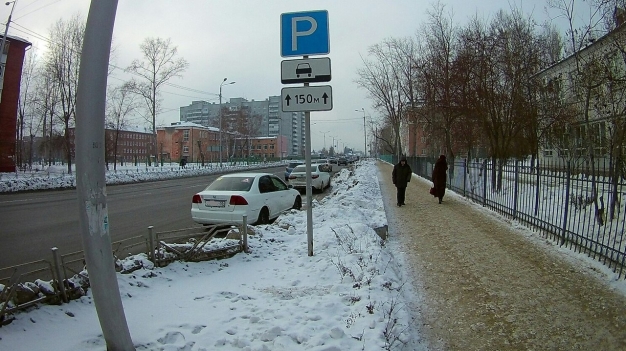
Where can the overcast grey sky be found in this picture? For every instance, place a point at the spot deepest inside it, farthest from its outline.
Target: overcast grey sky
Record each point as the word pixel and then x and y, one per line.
pixel 240 40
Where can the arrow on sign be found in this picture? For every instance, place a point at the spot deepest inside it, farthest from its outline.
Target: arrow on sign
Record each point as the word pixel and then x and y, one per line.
pixel 288 98
pixel 325 97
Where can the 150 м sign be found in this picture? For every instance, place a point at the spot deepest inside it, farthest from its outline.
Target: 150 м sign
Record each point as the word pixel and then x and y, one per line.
pixel 308 98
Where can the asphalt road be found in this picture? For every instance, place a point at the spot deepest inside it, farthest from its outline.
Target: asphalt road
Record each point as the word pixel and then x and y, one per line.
pixel 34 222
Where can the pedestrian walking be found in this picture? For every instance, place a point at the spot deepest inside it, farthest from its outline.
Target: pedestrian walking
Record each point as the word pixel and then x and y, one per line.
pixel 401 176
pixel 439 178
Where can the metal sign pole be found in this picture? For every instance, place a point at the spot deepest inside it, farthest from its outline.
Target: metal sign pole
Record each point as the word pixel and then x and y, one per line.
pixel 309 189
pixel 295 41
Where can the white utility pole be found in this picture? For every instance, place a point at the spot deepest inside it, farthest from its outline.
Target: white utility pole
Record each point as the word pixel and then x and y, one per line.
pixel 90 179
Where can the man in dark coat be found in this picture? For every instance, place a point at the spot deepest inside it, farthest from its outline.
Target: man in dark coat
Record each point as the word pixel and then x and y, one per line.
pixel 401 175
pixel 439 177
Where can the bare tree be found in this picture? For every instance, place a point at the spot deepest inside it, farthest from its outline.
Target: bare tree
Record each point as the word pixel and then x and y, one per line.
pixel 592 81
pixel 48 101
pixel 442 77
pixel 63 61
pixel 28 123
pixel 504 57
pixel 158 65
pixel 121 103
pixel 381 77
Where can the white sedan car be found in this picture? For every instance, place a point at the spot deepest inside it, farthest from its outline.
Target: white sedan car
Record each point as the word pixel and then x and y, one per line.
pixel 320 176
pixel 260 196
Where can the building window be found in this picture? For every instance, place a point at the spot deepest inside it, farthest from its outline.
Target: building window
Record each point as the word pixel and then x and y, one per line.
pixel 186 135
pixel 185 149
pixel 272 147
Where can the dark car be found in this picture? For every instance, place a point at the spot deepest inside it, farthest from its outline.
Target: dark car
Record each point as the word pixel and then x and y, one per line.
pixel 342 161
pixel 290 167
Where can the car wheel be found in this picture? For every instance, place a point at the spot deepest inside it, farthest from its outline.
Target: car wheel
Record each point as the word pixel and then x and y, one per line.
pixel 264 216
pixel 297 204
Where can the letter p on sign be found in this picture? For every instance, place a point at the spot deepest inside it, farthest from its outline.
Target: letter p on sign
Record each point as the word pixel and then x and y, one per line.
pixel 304 33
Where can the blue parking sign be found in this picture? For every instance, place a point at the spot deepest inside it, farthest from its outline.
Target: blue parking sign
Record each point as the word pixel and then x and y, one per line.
pixel 304 33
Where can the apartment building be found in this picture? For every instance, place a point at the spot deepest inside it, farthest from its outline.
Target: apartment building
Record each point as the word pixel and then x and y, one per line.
pixel 12 57
pixel 122 146
pixel 191 142
pixel 590 95
pixel 269 120
pixel 262 148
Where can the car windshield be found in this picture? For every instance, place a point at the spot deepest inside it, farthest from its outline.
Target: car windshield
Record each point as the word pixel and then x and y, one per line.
pixel 301 168
pixel 231 184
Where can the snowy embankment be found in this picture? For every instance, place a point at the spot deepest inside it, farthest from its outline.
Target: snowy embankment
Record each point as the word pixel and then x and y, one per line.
pixel 56 177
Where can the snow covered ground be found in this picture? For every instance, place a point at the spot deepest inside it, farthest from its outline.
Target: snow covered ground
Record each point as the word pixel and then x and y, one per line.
pixel 350 295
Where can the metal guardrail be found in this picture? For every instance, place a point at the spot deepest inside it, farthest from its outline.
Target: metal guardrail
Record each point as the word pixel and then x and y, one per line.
pixel 17 292
pixel 189 244
pixel 576 205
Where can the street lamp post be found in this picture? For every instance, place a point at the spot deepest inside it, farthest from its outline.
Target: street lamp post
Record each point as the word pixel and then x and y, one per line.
pixel 223 82
pixel 4 42
pixel 364 133
pixel 325 139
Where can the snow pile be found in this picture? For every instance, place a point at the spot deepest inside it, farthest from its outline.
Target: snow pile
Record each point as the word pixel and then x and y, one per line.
pixel 56 177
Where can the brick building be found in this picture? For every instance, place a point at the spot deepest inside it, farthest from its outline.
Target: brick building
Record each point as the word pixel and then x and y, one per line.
pixel 190 142
pixel 13 59
pixel 263 148
pixel 122 145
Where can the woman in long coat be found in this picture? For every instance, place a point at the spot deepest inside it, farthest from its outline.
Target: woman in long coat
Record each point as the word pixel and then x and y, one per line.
pixel 439 177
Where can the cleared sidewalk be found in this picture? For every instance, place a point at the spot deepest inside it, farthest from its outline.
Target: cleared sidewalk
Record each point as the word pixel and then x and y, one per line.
pixel 488 286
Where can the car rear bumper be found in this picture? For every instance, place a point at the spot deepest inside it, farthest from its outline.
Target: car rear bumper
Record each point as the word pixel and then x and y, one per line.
pixel 301 184
pixel 208 217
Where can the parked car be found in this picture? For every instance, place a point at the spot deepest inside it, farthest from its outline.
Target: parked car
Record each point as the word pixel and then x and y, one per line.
pixel 326 162
pixel 290 167
pixel 342 161
pixel 320 176
pixel 260 196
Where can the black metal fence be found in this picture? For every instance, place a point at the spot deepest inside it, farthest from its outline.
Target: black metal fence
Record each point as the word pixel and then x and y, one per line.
pixel 578 205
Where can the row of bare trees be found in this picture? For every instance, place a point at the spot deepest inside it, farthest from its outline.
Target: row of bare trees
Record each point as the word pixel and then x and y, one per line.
pixel 48 92
pixel 476 85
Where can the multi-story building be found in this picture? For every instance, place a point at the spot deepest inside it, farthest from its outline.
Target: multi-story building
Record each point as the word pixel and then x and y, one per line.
pixel 586 82
pixel 271 120
pixel 12 58
pixel 123 145
pixel 191 142
pixel 262 148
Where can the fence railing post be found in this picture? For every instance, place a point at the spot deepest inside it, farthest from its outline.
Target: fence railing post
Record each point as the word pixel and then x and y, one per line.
pixel 464 177
pixel 515 194
pixel 484 182
pixel 57 272
pixel 566 205
pixel 537 188
pixel 151 255
pixel 244 231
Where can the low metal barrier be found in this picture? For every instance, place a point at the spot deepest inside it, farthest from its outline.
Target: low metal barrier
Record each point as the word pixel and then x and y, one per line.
pixel 22 285
pixel 19 292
